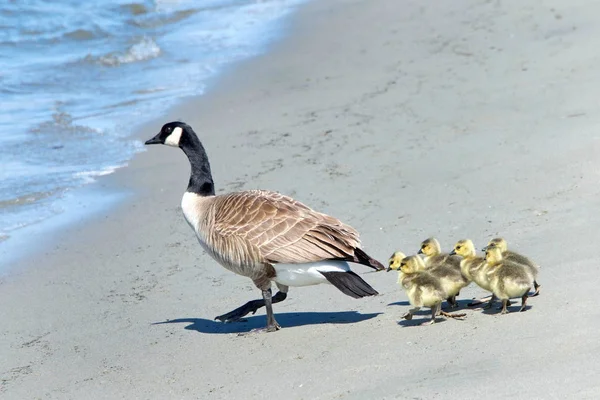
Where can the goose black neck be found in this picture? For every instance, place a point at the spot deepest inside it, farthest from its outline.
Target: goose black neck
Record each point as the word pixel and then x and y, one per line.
pixel 201 181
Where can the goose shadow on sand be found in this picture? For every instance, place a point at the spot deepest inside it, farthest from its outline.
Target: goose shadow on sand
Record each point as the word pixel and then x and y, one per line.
pixel 286 320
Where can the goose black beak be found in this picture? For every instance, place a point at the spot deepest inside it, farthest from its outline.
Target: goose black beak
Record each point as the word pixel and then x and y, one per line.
pixel 453 253
pixel 420 251
pixel 154 140
pixel 484 249
pixel 388 269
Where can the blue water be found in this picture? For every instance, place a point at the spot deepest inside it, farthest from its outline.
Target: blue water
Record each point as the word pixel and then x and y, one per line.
pixel 76 78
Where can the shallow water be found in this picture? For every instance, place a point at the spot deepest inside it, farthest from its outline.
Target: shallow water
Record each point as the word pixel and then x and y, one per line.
pixel 77 77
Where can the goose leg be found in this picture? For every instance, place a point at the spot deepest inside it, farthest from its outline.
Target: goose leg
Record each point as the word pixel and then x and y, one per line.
pixel 272 325
pixel 536 287
pixel 252 306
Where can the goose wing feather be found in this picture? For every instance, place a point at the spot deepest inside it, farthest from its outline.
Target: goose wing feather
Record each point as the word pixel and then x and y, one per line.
pixel 282 229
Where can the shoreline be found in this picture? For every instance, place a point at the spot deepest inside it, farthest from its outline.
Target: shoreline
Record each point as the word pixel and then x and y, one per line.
pixel 76 201
pixel 412 128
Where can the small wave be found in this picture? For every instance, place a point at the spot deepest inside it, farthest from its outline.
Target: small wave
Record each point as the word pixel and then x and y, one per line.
pixel 90 176
pixel 146 49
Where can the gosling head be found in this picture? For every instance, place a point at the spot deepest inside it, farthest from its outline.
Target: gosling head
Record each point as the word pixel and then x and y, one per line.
pixel 464 248
pixel 493 255
pixel 395 259
pixel 497 242
pixel 430 247
pixel 411 264
pixel 175 134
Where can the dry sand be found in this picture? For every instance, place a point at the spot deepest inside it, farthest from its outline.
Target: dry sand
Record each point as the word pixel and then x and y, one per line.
pixel 403 118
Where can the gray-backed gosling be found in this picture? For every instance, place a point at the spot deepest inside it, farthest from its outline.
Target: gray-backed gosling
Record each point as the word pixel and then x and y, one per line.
pixel 422 288
pixel 507 279
pixel 519 259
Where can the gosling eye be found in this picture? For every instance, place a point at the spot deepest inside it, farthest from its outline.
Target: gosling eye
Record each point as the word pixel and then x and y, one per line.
pixel 457 247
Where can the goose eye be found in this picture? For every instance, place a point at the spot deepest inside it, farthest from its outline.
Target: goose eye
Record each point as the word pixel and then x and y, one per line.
pixel 169 129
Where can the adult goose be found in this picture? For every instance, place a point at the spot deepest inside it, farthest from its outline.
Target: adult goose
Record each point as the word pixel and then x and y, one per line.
pixel 266 236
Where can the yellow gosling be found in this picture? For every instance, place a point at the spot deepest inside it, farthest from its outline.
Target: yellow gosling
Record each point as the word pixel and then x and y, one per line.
pixel 422 289
pixel 517 258
pixel 507 279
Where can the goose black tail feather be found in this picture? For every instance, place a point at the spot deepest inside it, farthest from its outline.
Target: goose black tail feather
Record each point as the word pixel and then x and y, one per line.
pixel 349 283
pixel 363 258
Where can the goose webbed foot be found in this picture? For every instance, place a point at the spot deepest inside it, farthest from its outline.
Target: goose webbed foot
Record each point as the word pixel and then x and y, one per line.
pixel 536 288
pixel 236 315
pixel 249 308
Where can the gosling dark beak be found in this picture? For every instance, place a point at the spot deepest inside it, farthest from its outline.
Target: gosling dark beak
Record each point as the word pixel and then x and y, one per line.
pixel 453 253
pixel 154 140
pixel 420 251
pixel 388 269
pixel 484 249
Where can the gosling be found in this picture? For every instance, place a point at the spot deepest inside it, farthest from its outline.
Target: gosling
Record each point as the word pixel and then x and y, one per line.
pixel 507 279
pixel 517 258
pixel 474 268
pixel 445 267
pixel 422 288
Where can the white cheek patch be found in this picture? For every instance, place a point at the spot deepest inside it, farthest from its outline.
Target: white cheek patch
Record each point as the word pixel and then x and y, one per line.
pixel 173 138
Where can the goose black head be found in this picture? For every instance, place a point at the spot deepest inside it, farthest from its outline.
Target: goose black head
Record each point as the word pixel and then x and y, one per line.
pixel 172 134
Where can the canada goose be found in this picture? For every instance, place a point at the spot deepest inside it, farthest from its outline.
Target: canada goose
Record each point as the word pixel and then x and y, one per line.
pixel 445 267
pixel 265 236
pixel 518 258
pixel 473 268
pixel 507 279
pixel 422 288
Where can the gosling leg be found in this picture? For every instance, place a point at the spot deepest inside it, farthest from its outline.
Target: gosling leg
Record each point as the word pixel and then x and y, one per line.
pixel 524 301
pixel 490 302
pixel 408 315
pixel 434 312
pixel 504 304
pixel 536 287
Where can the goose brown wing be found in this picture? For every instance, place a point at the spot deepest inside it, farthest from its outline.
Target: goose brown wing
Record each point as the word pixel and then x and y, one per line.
pixel 281 229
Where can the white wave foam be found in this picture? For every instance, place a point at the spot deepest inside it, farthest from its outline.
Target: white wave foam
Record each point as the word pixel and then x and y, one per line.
pixel 146 49
pixel 89 176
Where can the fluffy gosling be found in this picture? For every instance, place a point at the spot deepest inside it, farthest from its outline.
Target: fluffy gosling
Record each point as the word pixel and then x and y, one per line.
pixel 517 258
pixel 422 288
pixel 507 279
pixel 473 268
pixel 445 267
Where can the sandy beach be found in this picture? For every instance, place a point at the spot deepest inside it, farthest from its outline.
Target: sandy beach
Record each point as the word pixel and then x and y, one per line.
pixel 407 119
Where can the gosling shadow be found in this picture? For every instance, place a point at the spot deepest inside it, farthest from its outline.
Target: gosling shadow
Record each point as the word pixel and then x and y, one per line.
pixel 497 307
pixel 419 320
pixel 286 320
